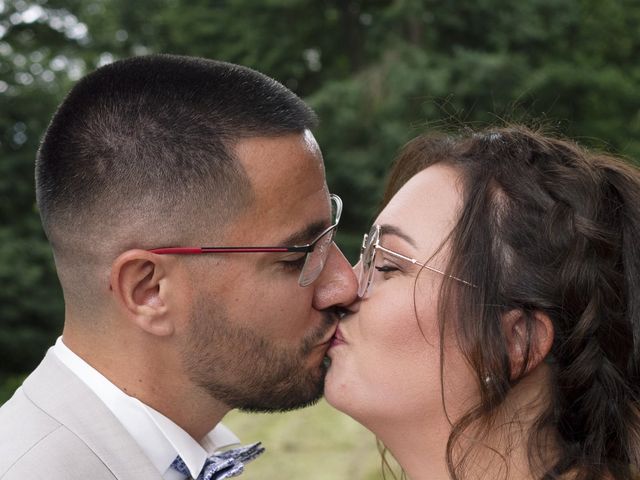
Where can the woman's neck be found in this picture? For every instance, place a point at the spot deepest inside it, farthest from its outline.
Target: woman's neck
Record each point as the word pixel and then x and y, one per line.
pixel 421 452
pixel 419 445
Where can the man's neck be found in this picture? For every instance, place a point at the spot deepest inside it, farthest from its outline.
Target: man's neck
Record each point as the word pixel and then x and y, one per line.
pixel 152 374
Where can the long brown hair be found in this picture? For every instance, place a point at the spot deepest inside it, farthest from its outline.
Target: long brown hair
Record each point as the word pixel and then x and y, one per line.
pixel 546 226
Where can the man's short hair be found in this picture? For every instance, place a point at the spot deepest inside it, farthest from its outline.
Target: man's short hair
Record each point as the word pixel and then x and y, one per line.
pixel 142 148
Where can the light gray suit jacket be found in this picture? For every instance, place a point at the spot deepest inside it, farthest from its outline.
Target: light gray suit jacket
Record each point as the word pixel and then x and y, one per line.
pixel 54 427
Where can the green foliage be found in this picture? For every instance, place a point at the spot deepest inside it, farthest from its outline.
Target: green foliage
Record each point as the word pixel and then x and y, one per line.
pixel 8 386
pixel 31 301
pixel 377 71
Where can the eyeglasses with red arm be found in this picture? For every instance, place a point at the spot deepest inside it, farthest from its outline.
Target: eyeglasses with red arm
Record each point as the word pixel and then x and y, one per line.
pixel 316 252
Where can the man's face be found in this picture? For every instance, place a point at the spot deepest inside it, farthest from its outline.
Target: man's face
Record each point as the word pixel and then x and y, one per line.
pixel 257 340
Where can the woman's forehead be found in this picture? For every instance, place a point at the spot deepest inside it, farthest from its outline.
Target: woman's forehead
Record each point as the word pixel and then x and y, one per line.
pixel 427 206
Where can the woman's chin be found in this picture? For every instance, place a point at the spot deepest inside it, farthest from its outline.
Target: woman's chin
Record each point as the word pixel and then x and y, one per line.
pixel 335 389
pixel 330 387
pixel 344 389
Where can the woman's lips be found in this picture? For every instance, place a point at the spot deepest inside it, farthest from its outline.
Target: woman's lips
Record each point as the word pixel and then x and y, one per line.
pixel 337 339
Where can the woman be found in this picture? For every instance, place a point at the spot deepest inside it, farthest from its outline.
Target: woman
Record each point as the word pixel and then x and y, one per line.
pixel 497 334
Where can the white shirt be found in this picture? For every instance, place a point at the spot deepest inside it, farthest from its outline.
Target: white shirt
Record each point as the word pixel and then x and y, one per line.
pixel 159 438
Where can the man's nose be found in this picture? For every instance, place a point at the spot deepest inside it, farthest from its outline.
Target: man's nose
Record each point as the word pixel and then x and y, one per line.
pixel 337 285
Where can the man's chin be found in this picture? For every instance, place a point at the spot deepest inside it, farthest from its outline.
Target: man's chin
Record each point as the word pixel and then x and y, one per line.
pixel 284 398
pixel 260 408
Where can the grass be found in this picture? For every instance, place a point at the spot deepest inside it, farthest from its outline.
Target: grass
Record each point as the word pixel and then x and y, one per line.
pixel 316 443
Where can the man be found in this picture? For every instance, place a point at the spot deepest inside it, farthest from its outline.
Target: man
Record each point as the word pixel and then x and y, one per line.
pixel 146 161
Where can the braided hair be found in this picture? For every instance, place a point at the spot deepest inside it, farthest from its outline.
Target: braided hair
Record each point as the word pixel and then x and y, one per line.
pixel 546 226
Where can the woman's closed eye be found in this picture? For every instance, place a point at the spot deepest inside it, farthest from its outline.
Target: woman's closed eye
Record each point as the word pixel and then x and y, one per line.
pixel 387 268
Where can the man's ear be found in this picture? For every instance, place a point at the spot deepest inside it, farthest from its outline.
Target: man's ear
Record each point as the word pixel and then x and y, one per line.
pixel 138 285
pixel 527 349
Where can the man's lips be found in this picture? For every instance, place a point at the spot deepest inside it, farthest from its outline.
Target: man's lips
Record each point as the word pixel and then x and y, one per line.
pixel 328 339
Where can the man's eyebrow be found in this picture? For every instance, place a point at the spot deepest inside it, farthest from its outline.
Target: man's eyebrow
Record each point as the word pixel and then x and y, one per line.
pixel 393 230
pixel 306 235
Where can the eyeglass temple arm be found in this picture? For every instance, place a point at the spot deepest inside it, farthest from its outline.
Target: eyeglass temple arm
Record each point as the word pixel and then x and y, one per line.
pixel 416 262
pixel 199 250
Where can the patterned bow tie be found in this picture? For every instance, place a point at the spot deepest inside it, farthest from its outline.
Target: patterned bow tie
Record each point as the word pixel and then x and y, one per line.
pixel 222 465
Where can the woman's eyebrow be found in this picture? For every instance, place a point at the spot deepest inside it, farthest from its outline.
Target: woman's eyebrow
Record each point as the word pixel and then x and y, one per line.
pixel 387 229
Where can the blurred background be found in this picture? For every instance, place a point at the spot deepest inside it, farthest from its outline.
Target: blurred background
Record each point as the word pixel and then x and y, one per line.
pixel 378 72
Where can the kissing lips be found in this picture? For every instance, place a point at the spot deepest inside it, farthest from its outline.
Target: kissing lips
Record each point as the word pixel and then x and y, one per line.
pixel 327 340
pixel 337 339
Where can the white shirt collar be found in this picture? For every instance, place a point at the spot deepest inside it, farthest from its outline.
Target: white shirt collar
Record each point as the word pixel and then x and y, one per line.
pixel 159 438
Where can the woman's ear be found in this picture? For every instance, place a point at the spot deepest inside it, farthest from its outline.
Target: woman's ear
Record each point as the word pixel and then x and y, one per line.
pixel 138 285
pixel 527 347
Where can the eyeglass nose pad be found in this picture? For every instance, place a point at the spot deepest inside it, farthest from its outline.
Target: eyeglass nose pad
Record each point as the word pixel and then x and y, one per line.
pixel 308 276
pixel 363 280
pixel 357 268
pixel 310 272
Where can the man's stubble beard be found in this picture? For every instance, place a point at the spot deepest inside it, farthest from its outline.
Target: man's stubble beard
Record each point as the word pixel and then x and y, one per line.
pixel 244 370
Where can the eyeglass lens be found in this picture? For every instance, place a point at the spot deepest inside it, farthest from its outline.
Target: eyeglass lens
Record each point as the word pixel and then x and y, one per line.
pixel 314 263
pixel 315 260
pixel 367 258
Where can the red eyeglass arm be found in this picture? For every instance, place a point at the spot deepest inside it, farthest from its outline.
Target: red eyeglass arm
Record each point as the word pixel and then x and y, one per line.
pixel 198 250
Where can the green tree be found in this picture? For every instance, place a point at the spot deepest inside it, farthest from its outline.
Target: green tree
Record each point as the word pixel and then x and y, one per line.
pixel 377 71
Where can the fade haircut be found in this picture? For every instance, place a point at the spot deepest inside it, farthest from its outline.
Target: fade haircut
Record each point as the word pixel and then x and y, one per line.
pixel 140 153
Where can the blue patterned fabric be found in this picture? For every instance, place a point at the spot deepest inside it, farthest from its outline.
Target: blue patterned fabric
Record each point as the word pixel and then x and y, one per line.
pixel 223 465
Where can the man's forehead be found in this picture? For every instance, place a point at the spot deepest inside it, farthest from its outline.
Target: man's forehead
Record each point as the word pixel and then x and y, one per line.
pixel 288 222
pixel 271 161
pixel 290 195
pixel 311 143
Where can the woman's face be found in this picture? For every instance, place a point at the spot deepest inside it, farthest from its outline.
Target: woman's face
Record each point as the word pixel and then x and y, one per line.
pixel 385 361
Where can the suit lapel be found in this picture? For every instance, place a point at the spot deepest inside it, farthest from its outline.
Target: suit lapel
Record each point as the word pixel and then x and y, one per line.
pixel 62 395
